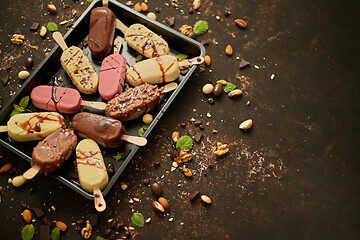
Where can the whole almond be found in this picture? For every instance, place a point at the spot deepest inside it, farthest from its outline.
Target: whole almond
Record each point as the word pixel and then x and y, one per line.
pixel 246 124
pixel 51 8
pixel 196 4
pixel 5 168
pixel 27 215
pixel 137 7
pixel 207 60
pixel 187 172
pixel 157 206
pixel 205 199
pixel 241 23
pixel 61 225
pixel 144 7
pixel 175 136
pixel 43 31
pixel 164 202
pixel 229 50
pixel 235 93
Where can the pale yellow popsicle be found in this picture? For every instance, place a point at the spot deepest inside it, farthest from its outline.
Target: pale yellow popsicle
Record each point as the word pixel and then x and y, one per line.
pixel 26 127
pixel 90 165
pixel 146 42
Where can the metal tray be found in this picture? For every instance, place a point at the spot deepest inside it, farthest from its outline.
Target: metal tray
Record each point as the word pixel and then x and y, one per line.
pixel 51 66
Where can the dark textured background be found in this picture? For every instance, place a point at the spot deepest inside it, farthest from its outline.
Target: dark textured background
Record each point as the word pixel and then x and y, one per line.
pixel 305 125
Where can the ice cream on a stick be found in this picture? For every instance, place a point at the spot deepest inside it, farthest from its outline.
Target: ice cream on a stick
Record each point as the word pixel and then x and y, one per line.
pixel 50 154
pixel 112 73
pixel 61 99
pixel 143 40
pixel 26 127
pixel 158 69
pixel 77 66
pixel 136 101
pixel 101 30
pixel 93 176
pixel 107 132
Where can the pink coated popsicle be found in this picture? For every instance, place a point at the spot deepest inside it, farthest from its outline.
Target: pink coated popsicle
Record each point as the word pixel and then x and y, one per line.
pixel 60 99
pixel 112 73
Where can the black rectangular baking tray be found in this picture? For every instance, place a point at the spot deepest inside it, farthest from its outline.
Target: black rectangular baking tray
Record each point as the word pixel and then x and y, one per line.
pixel 51 66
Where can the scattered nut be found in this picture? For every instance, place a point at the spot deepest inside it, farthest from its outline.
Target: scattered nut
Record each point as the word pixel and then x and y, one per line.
pixel 61 225
pixel 23 75
pixel 246 124
pixel 222 81
pixel 175 136
pixel 51 8
pixel 129 3
pixel 144 7
pixel 205 199
pixel 196 5
pixel 86 231
pixel 5 168
pixel 235 93
pixel 185 29
pixel 207 88
pixel 137 7
pixel 221 149
pixel 184 156
pixel 17 39
pixel 18 181
pixel 241 23
pixel 157 206
pixel 43 31
pixel 151 15
pixel 164 202
pixel 148 220
pixel 27 215
pixel 229 50
pixel 147 118
pixel 187 172
pixel 207 60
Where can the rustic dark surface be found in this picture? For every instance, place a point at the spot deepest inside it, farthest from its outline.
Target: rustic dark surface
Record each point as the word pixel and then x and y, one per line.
pixel 294 175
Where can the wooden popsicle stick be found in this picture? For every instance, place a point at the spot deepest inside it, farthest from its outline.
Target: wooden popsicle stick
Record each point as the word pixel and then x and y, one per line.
pixel 192 61
pixel 96 105
pixel 121 26
pixel 3 129
pixel 31 172
pixel 169 87
pixel 117 44
pixel 99 201
pixel 105 3
pixel 60 40
pixel 139 141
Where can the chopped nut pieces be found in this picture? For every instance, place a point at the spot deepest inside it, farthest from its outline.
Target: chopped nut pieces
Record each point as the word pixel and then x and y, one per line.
pixel 246 124
pixel 222 82
pixel 184 156
pixel 175 136
pixel 221 149
pixel 185 29
pixel 17 39
pixel 235 93
pixel 241 23
pixel 43 31
pixel 196 4
pixel 205 199
pixel 86 231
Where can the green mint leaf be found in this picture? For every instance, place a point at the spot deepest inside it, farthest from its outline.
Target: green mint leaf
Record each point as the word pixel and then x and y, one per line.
pixel 98 237
pixel 91 1
pixel 200 27
pixel 117 156
pixel 140 132
pixel 229 87
pixel 24 101
pixel 184 142
pixel 18 108
pixel 137 219
pixel 146 126
pixel 52 27
pixel 182 56
pixel 138 58
pixel 14 112
pixel 27 233
pixel 55 234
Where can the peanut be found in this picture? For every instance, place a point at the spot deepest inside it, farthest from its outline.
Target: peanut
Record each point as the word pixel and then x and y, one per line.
pixel 207 60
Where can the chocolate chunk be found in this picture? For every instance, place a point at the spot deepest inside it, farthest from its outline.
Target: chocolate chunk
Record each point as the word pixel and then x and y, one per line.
pixel 46 221
pixel 170 21
pixel 201 126
pixel 156 164
pixel 197 122
pixel 34 26
pixel 8 67
pixel 193 196
pixel 192 35
pixel 44 232
pixel 243 63
pixel 93 219
pixel 198 137
pixel 38 212
pixel 69 24
pixel 5 80
pixel 183 125
pixel 156 189
pixel 146 181
pixel 205 42
pixel 174 153
pixel 157 9
pixel 211 100
pixel 24 206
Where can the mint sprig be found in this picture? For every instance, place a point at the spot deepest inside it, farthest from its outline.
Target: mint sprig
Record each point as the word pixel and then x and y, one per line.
pixel 118 156
pixel 24 102
pixel 182 56
pixel 185 143
pixel 52 27
pixel 229 87
pixel 55 234
pixel 138 219
pixel 27 233
pixel 200 27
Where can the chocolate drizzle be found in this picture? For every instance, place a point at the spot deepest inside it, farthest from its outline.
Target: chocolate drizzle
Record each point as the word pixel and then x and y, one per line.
pixel 161 68
pixel 30 127
pixel 88 156
pixel 53 95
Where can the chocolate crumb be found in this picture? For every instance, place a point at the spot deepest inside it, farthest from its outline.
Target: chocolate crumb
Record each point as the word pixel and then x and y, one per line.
pixel 191 10
pixel 34 26
pixel 8 67
pixel 211 100
pixel 24 206
pixel 157 9
pixel 183 125
pixel 197 122
pixel 156 164
pixel 5 80
pixel 198 137
pixel 31 191
pixel 205 42
pixel 201 126
pixel 243 63
pixel 69 24
pixel 146 181
pixel 193 196
pixel 211 166
pixel 170 21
